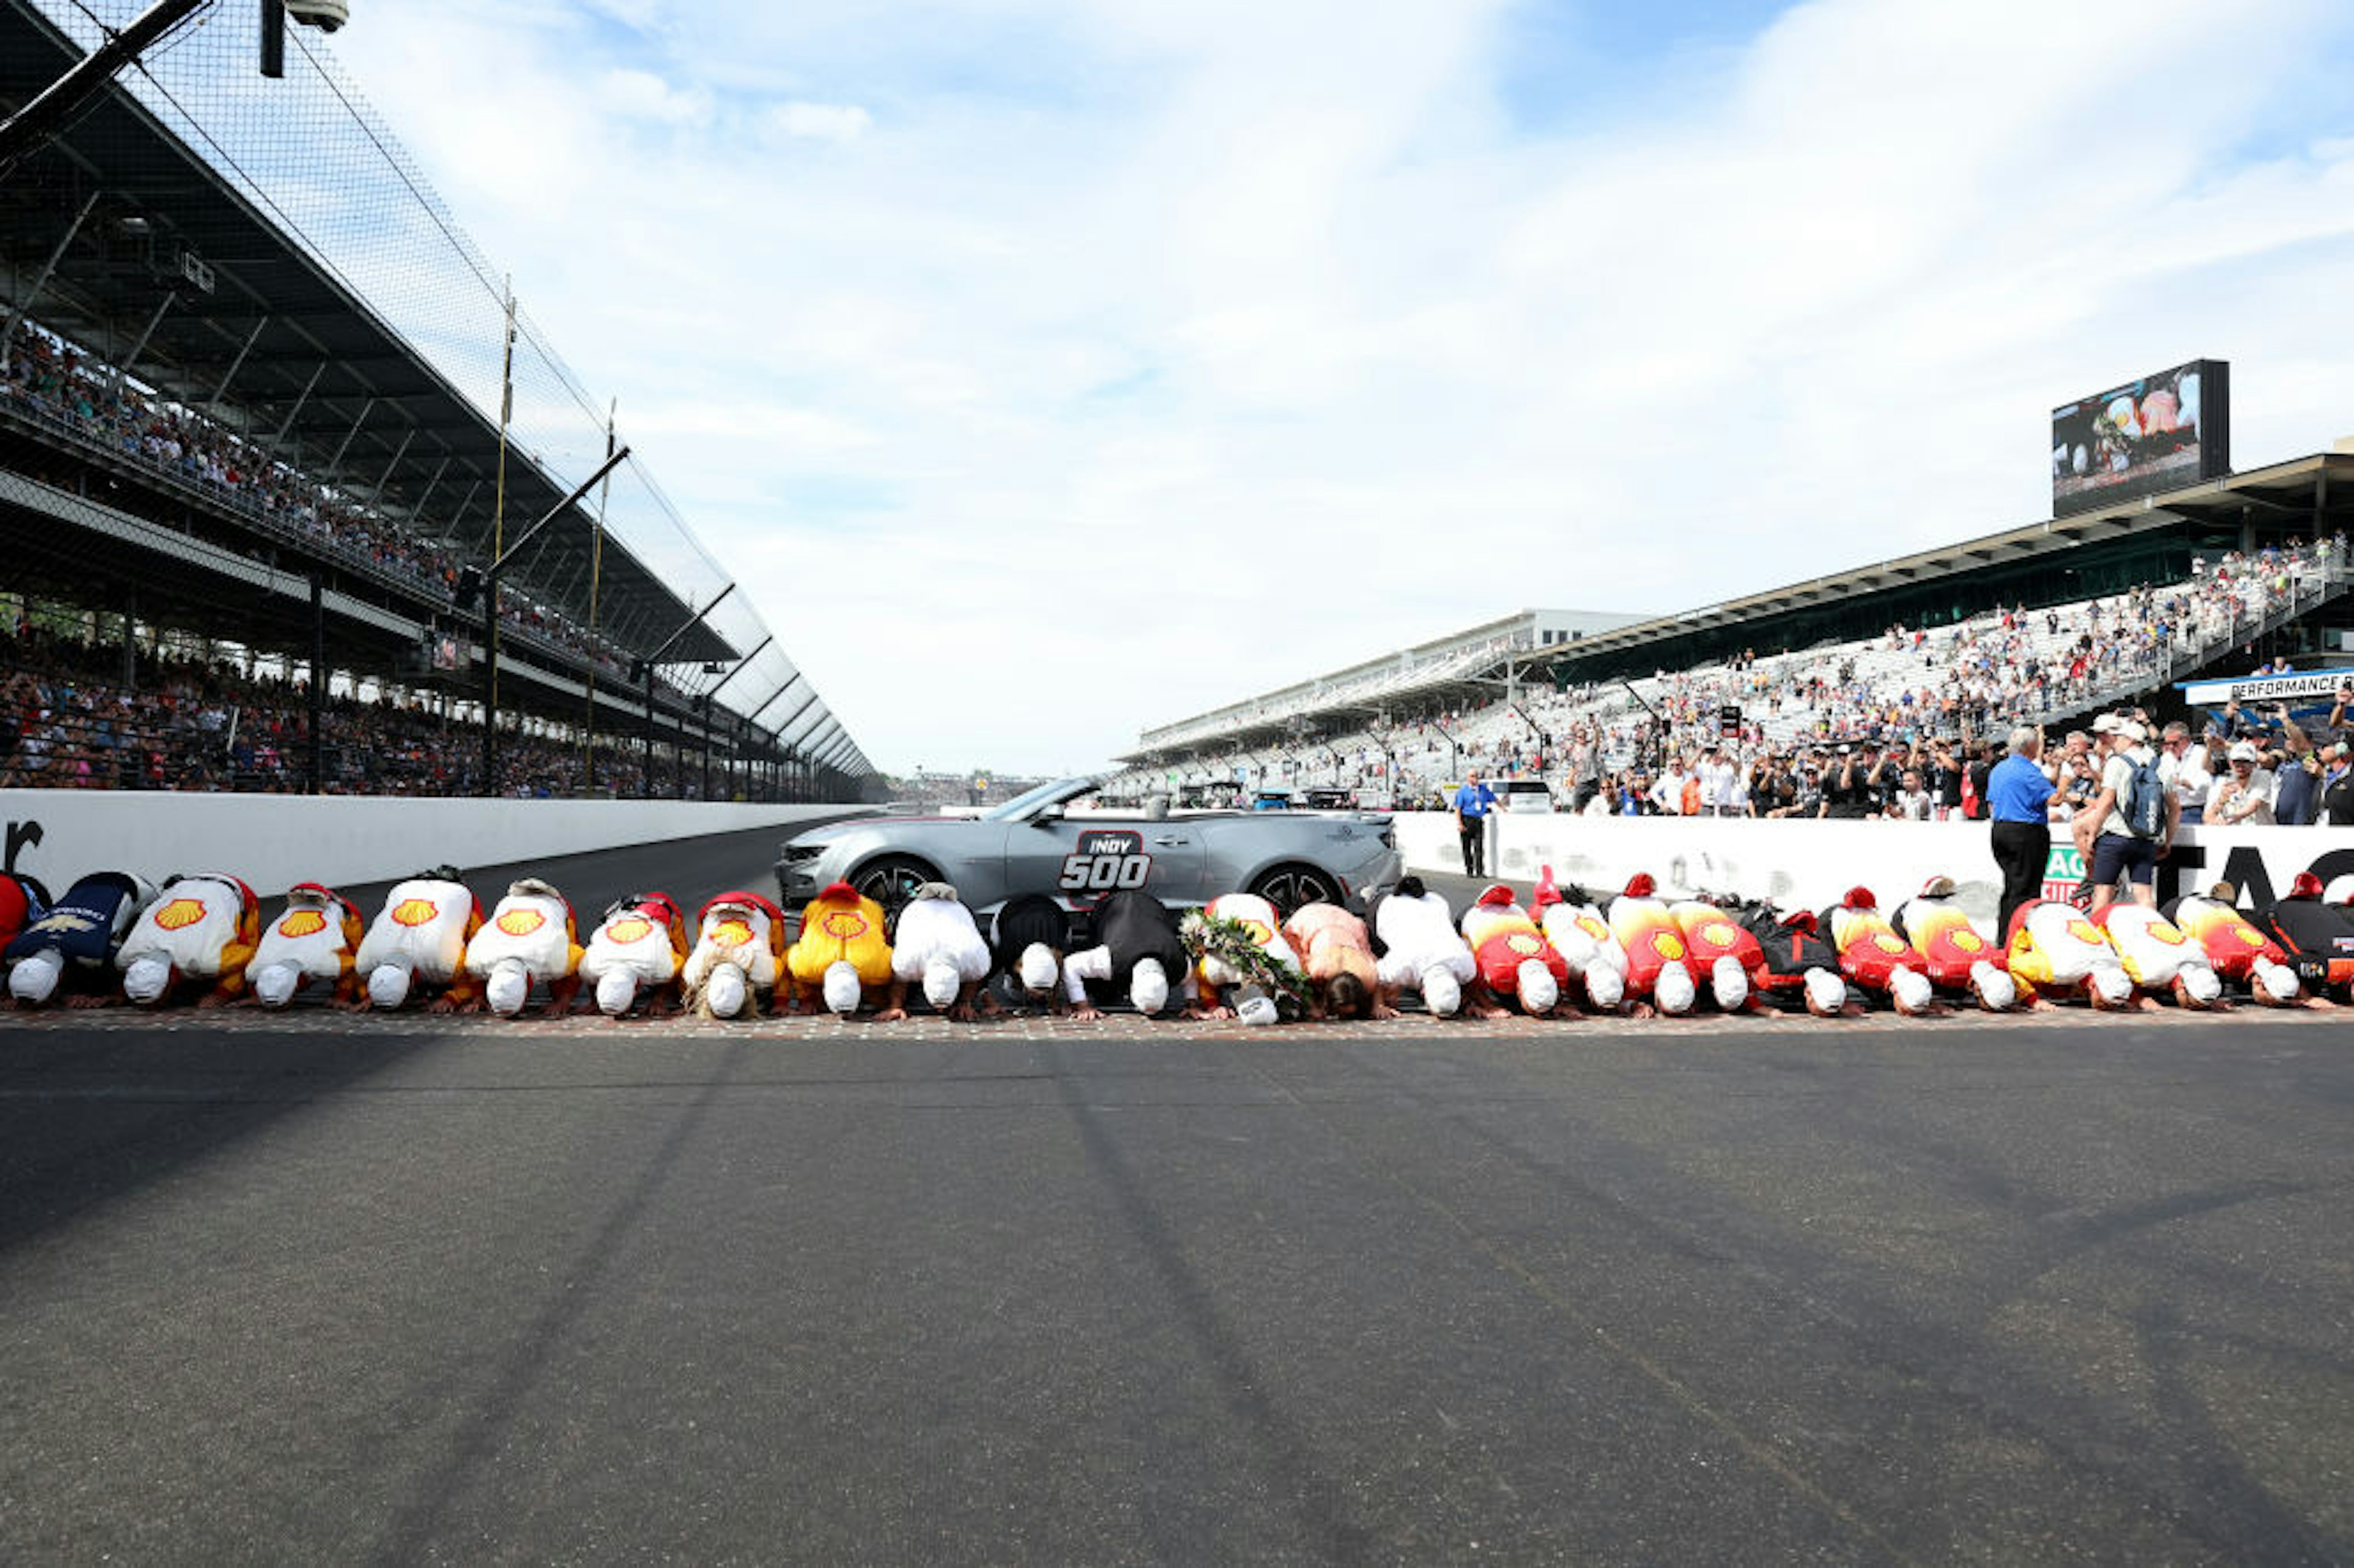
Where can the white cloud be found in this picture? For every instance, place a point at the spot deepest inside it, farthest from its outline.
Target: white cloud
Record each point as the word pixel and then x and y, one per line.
pixel 1169 353
pixel 642 95
pixel 822 122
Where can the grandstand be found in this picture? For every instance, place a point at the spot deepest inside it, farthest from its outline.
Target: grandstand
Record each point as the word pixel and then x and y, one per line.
pixel 2040 624
pixel 292 497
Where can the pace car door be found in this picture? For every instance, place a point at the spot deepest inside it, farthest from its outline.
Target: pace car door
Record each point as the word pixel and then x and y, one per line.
pixel 1081 859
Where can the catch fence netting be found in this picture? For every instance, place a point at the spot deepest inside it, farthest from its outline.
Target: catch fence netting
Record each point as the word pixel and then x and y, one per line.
pixel 321 166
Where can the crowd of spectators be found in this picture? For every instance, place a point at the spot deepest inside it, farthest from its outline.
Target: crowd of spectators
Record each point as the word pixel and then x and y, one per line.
pixel 69 720
pixel 69 389
pixel 1891 726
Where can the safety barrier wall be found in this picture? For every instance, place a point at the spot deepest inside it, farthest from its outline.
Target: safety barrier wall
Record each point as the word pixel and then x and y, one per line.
pixel 1808 864
pixel 272 841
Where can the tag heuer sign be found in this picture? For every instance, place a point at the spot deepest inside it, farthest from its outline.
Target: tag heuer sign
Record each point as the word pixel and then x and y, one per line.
pixel 2063 868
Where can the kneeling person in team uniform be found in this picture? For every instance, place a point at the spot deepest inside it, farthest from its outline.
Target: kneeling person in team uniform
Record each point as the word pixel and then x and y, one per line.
pixel 530 939
pixel 739 957
pixel 639 945
pixel 843 956
pixel 199 933
pixel 71 946
pixel 418 938
pixel 315 937
pixel 1419 950
pixel 937 945
pixel 1138 956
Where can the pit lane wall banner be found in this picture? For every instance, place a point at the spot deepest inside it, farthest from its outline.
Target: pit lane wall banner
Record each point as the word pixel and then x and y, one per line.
pixel 272 842
pixel 1810 865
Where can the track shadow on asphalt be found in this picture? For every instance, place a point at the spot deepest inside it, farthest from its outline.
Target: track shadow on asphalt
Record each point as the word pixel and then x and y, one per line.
pixel 89 1116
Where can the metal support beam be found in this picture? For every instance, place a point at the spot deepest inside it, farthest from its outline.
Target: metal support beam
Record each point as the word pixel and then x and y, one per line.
pixel 336 462
pixel 690 623
pixel 57 254
pixel 779 692
pixel 318 746
pixel 139 346
pixel 416 508
pixel 238 364
pixel 375 496
pixel 271 452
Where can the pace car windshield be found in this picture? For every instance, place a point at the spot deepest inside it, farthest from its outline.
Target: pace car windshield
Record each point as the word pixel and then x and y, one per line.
pixel 1025 800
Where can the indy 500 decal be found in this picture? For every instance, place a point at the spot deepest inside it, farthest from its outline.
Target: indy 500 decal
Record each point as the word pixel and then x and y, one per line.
pixel 1106 859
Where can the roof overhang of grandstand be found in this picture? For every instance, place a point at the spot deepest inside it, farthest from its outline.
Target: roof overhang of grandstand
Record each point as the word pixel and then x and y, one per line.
pixel 2300 487
pixel 260 335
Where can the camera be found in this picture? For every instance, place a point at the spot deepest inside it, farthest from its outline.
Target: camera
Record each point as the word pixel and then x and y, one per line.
pixel 325 14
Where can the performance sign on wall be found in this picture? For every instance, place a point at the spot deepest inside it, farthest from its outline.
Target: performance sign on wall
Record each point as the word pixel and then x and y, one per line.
pixel 2160 432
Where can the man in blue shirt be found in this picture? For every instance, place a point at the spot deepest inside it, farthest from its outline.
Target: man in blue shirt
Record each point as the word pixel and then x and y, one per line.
pixel 1473 802
pixel 2018 794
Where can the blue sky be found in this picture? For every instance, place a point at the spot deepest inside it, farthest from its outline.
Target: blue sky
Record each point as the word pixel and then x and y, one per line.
pixel 1051 370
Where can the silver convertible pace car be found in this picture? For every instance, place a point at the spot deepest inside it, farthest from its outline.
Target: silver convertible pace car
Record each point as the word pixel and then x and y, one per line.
pixel 1036 843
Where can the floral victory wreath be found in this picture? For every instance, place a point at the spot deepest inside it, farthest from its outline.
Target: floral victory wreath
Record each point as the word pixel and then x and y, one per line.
pixel 1230 941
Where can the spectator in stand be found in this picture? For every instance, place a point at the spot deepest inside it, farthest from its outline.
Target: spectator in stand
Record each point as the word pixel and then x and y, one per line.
pixel 1912 801
pixel 2337 785
pixel 2245 798
pixel 2018 794
pixel 1843 790
pixel 2183 769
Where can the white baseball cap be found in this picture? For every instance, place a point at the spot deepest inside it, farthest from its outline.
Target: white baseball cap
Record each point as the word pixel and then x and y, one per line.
pixel 146 977
pixel 1147 986
pixel 35 977
pixel 1441 992
pixel 1538 989
pixel 616 991
pixel 842 987
pixel 509 987
pixel 1037 966
pixel 724 991
pixel 941 983
pixel 275 986
pixel 1674 991
pixel 387 986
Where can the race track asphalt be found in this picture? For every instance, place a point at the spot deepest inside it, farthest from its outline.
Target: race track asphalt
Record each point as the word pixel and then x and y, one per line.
pixel 319 1288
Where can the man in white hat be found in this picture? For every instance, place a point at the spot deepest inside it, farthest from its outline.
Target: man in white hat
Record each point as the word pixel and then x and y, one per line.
pixel 2245 798
pixel 2131 822
pixel 939 947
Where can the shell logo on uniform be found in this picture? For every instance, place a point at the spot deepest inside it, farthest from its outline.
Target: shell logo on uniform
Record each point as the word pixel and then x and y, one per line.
pixel 1258 933
pixel 732 931
pixel 415 912
pixel 1667 945
pixel 1520 942
pixel 1968 941
pixel 1592 927
pixel 635 931
pixel 1717 934
pixel 180 914
pixel 844 924
pixel 303 923
pixel 2166 932
pixel 522 922
pixel 2084 931
pixel 1888 944
pixel 2249 934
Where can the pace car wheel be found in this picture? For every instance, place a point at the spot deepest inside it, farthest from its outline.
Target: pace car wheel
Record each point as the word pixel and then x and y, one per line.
pixel 892 882
pixel 1288 887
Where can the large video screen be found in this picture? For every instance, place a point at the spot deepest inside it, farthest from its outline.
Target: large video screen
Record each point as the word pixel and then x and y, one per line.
pixel 2160 432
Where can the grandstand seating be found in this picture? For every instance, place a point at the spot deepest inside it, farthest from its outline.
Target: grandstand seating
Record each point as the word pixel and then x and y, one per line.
pixel 1979 676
